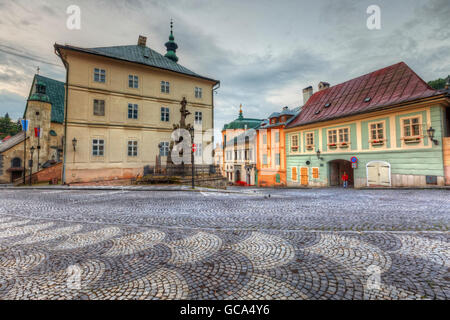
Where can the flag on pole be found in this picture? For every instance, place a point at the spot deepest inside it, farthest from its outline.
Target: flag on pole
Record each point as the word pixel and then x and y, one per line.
pixel 37 132
pixel 24 123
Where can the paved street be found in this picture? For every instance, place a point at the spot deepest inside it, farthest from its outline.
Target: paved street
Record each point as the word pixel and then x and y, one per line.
pixel 295 244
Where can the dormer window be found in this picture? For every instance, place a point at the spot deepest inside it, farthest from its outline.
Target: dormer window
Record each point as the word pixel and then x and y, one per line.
pixel 327 105
pixel 367 99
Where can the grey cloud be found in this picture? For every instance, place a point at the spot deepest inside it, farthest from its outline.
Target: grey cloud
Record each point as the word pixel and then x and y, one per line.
pixel 12 104
pixel 256 49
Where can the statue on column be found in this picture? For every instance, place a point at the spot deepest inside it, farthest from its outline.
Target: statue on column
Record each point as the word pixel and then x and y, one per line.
pixel 182 125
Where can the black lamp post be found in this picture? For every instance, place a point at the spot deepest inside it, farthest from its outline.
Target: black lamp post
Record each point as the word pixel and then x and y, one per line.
pixel 38 149
pixel 191 131
pixel 431 132
pixel 31 162
pixel 74 144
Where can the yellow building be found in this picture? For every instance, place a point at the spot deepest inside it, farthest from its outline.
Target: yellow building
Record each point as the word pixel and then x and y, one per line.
pixel 121 105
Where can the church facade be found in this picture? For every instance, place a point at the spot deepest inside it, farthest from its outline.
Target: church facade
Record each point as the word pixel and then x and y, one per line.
pixel 45 133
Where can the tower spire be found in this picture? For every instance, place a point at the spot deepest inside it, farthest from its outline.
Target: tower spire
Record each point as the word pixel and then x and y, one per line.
pixel 241 116
pixel 171 45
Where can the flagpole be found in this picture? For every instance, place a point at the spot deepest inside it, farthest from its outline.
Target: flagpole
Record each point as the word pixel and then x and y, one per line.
pixel 38 146
pixel 24 126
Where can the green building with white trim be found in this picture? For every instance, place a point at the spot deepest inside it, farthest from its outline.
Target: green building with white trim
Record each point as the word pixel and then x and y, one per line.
pixel 387 128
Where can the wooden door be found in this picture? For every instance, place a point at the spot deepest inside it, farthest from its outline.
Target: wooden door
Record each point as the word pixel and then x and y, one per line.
pixel 378 174
pixel 384 171
pixel 304 176
pixel 372 174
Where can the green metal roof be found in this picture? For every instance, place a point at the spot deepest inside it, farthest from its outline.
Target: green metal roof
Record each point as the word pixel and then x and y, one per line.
pixel 243 123
pixel 55 91
pixel 39 97
pixel 137 54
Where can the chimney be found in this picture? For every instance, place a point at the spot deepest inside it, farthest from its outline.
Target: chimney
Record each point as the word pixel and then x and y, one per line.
pixel 142 41
pixel 323 85
pixel 307 93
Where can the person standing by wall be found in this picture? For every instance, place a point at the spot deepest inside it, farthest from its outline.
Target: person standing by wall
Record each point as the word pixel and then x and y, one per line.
pixel 345 179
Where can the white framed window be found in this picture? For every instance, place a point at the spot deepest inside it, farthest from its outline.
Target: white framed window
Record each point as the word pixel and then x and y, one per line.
pixel 294 143
pixel 132 111
pixel 198 117
pixel 164 114
pixel 165 87
pixel 99 75
pixel 133 81
pixel 164 149
pixel 411 127
pixel 98 147
pixel 277 159
pixel 332 137
pixel 264 138
pixel 277 137
pixel 377 131
pixel 132 148
pixel 310 139
pixel 99 107
pixel 198 92
pixel 265 159
pixel 344 136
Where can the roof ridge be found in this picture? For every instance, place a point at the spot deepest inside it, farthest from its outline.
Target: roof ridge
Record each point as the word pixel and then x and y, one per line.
pixel 384 87
pixel 134 54
pixel 41 76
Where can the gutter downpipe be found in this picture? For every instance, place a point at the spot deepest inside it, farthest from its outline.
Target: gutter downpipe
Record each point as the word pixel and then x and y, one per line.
pixel 212 117
pixel 66 65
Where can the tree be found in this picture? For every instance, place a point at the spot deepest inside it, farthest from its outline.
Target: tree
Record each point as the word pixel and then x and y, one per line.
pixel 8 127
pixel 437 84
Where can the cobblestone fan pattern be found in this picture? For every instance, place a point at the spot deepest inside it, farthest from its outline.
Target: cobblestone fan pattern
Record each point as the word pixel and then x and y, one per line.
pixel 293 244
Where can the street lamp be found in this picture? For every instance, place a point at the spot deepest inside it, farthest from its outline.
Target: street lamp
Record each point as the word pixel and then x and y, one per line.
pixel 431 132
pixel 191 131
pixel 31 162
pixel 318 154
pixel 74 144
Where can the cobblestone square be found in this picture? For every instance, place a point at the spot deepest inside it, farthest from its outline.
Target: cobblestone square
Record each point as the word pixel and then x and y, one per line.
pixel 243 244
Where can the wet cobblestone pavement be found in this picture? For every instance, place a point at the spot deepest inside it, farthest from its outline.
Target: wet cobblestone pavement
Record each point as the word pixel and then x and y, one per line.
pixel 295 244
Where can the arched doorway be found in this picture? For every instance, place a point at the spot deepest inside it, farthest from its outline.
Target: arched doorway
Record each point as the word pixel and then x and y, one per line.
pixel 337 169
pixel 16 169
pixel 237 176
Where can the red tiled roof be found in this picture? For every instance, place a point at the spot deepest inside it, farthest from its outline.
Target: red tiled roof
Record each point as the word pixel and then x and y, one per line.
pixel 387 86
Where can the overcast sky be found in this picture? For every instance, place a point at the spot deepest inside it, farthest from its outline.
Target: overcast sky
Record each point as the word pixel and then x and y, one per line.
pixel 263 52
